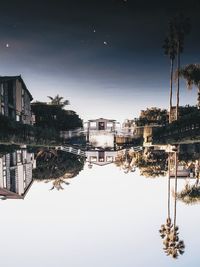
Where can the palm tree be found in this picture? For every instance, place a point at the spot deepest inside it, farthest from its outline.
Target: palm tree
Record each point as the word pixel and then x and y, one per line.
pixel 180 27
pixel 170 50
pixel 191 73
pixel 57 100
pixel 170 231
pixel 57 184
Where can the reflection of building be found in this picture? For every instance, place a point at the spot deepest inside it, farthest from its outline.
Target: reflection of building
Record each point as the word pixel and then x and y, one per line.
pixel 101 132
pixel 15 99
pixel 16 173
pixel 101 157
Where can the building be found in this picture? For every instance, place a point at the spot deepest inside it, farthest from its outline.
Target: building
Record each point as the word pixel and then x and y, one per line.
pixel 101 132
pixel 129 126
pixel 148 134
pixel 16 173
pixel 15 99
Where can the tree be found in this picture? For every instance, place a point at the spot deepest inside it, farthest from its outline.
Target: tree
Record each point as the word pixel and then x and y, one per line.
pixel 180 27
pixel 57 100
pixel 170 49
pixel 152 116
pixel 57 167
pixel 191 73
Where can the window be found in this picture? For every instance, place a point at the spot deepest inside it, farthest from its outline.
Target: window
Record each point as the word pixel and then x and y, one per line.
pixel 23 103
pixel 93 124
pixel 2 110
pixel 10 92
pixel 101 156
pixel 19 157
pixel 2 94
pixel 109 125
pixel 17 118
pixel 4 179
pixel 93 159
pixel 109 159
pixel 2 90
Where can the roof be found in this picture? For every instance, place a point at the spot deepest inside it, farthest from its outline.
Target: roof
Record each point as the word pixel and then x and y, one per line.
pixel 103 119
pixel 9 195
pixel 12 78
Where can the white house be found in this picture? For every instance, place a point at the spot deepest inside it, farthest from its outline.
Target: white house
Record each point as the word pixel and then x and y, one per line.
pixel 101 132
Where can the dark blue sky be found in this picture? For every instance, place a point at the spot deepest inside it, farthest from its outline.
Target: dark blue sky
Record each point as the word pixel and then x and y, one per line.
pixel 104 56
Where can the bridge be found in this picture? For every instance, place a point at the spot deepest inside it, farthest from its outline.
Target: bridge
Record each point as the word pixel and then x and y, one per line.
pixel 72 150
pixel 82 153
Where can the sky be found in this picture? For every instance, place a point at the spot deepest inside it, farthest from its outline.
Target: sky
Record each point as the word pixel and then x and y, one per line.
pixel 105 56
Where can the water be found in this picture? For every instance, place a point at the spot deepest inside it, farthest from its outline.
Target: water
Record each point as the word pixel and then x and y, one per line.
pixel 103 217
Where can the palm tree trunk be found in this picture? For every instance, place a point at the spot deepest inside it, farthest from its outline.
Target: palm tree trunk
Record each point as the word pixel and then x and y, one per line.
pixel 178 82
pixel 169 168
pixel 175 197
pixel 171 85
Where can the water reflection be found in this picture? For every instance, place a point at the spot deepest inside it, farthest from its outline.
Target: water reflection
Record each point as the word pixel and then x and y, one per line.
pixel 57 167
pixel 169 231
pixel 16 173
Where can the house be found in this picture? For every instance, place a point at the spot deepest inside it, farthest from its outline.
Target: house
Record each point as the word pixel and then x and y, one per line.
pixel 16 173
pixel 129 126
pixel 15 99
pixel 101 132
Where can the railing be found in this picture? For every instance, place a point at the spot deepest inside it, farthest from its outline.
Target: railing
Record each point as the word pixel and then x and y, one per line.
pixel 72 150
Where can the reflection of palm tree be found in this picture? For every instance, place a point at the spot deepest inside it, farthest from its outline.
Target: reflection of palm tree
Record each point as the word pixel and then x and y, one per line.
pixel 57 184
pixel 169 232
pixel 169 167
pixel 57 166
pixel 191 73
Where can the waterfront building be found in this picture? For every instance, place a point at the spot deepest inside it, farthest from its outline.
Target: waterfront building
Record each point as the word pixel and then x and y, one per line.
pixel 101 132
pixel 16 173
pixel 15 99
